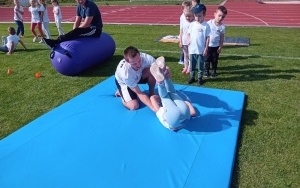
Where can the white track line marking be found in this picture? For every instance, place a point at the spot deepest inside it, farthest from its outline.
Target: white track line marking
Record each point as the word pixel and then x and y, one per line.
pixel 242 55
pixel 250 16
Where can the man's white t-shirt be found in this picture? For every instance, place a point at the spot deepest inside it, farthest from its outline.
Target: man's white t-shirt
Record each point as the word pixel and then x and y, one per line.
pixel 126 76
pixel 215 34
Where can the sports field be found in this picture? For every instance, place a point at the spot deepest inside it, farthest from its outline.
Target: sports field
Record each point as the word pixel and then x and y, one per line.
pixel 268 71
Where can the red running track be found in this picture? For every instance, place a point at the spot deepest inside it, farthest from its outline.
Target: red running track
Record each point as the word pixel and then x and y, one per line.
pixel 239 14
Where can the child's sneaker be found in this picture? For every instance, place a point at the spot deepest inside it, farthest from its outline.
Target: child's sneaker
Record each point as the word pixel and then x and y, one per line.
pixel 156 72
pixel 213 74
pixel 41 41
pixel 206 74
pixel 35 39
pixel 192 80
pixel 200 81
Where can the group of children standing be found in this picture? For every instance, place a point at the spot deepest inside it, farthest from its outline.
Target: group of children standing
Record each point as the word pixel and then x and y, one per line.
pixel 39 19
pixel 201 42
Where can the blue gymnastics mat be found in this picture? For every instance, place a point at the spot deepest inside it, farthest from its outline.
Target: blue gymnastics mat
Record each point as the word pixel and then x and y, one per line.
pixel 93 141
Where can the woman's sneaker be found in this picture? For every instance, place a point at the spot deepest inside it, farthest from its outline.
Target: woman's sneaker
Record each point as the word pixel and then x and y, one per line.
pixel 161 62
pixel 156 72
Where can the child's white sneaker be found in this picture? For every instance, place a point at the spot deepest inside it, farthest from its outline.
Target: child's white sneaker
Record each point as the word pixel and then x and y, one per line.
pixel 35 39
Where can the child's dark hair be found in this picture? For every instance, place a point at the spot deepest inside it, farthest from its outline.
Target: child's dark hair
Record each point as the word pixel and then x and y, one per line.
pixel 186 3
pixel 223 9
pixel 11 30
pixel 55 1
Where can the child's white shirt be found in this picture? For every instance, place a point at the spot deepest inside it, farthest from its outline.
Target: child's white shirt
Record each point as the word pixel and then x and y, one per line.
pixel 182 20
pixel 185 28
pixel 198 33
pixel 45 15
pixel 215 34
pixel 35 17
pixel 17 15
pixel 12 38
pixel 59 15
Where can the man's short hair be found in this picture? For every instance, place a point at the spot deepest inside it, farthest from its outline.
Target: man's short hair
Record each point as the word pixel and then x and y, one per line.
pixel 131 52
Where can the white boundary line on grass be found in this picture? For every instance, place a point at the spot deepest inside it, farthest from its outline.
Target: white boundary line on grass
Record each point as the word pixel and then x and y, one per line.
pixel 222 54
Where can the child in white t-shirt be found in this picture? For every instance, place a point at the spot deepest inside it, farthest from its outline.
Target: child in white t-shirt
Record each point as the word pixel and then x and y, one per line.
pixel 198 39
pixel 18 17
pixel 10 43
pixel 184 4
pixel 57 16
pixel 35 20
pixel 183 42
pixel 216 41
pixel 44 18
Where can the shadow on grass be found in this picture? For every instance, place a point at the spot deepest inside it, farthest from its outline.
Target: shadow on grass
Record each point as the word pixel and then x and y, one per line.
pixel 248 119
pixel 105 69
pixel 238 57
pixel 252 77
pixel 253 72
pixel 20 50
pixel 108 68
pixel 243 67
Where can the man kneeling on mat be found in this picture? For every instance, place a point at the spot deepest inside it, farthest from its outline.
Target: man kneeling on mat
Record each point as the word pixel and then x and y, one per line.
pixel 173 110
pixel 134 69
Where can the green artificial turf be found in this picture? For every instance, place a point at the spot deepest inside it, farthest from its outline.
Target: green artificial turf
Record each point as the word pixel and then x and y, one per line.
pixel 268 71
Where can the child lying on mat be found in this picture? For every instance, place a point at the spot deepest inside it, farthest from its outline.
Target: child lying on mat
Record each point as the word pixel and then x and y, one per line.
pixel 174 109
